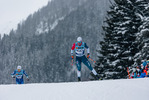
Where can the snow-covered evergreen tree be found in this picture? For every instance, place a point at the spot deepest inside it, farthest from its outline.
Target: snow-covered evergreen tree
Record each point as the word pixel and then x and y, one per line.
pixel 143 35
pixel 119 46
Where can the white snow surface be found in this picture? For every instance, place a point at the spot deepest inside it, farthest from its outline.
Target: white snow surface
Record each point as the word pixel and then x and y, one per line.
pixel 124 89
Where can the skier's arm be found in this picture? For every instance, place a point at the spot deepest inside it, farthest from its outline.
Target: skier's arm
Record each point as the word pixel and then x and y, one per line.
pixel 12 74
pixel 25 74
pixel 72 50
pixel 88 51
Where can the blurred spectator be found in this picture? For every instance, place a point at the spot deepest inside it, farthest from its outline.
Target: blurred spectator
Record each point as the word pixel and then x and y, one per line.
pixel 143 74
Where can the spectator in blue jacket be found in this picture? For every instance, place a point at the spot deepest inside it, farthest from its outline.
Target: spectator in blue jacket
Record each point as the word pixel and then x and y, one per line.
pixel 143 74
pixel 144 63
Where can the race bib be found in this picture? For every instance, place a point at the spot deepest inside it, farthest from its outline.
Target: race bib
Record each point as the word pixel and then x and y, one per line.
pixel 19 76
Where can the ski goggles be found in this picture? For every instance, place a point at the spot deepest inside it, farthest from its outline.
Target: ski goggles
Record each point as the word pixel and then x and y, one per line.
pixel 19 70
pixel 79 41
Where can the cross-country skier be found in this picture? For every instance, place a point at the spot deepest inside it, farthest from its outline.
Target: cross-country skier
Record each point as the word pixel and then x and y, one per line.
pixel 79 48
pixel 18 74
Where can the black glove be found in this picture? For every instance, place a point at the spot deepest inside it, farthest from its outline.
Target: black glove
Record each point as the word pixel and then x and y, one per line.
pixel 27 79
pixel 13 76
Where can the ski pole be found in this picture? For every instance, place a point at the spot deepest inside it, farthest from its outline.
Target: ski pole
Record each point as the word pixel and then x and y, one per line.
pixel 71 62
pixel 92 60
pixel 128 72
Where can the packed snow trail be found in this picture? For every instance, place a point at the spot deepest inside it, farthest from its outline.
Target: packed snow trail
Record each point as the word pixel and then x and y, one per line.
pixel 127 89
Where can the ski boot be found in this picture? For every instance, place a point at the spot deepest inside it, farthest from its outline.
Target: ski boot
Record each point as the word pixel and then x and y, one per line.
pixel 97 77
pixel 79 79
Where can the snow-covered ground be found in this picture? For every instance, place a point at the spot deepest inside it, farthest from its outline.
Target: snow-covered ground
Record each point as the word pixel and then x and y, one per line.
pixel 126 89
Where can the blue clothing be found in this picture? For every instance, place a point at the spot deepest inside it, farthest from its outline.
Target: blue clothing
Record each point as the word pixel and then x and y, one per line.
pixel 144 63
pixel 80 49
pixel 141 70
pixel 135 75
pixel 19 76
pixel 143 75
pixel 84 60
pixel 19 81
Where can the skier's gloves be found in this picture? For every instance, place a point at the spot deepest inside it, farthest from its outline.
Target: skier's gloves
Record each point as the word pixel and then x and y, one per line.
pixel 27 79
pixel 13 76
pixel 72 57
pixel 88 56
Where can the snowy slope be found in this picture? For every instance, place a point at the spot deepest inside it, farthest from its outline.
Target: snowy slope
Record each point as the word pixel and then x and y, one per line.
pixel 128 89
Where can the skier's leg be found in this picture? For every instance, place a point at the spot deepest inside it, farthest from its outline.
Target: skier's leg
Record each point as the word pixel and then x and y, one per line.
pixel 79 75
pixel 22 82
pixel 94 72
pixel 17 81
pixel 87 63
pixel 78 64
pixel 96 75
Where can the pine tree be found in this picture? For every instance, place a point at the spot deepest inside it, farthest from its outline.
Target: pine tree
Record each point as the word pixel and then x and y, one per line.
pixel 143 35
pixel 119 46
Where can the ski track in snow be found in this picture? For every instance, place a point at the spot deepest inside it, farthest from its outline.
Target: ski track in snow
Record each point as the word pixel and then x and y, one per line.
pixel 124 89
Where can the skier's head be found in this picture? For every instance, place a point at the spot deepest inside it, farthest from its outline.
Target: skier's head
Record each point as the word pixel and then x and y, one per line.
pixel 79 40
pixel 19 68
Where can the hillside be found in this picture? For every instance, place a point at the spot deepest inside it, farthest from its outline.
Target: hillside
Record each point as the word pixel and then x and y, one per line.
pixel 42 43
pixel 127 89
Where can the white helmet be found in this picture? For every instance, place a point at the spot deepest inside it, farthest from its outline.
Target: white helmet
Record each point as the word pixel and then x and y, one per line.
pixel 18 67
pixel 79 39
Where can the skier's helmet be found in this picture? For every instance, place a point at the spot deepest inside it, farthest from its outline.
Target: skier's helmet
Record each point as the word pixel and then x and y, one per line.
pixel 18 67
pixel 79 39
